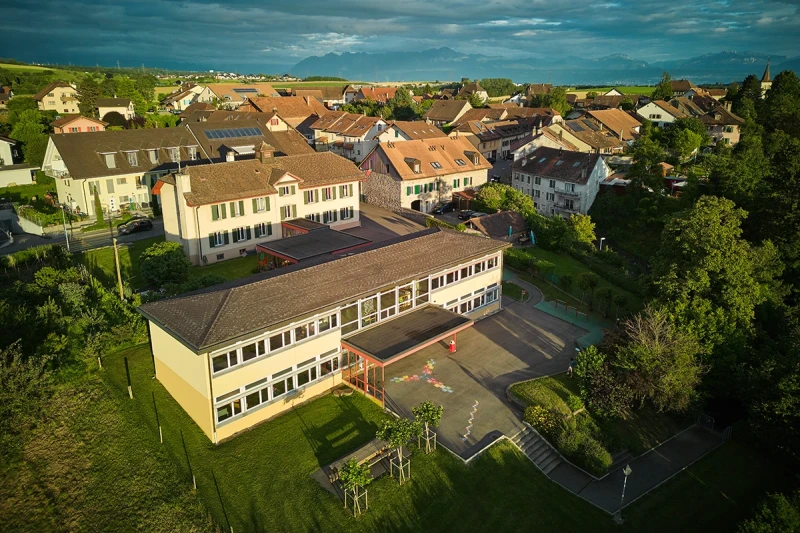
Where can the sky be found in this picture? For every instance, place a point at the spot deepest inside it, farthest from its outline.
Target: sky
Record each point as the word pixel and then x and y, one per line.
pixel 264 36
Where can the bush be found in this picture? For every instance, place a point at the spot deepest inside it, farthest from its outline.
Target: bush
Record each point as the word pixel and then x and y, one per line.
pixel 776 514
pixel 517 259
pixel 165 262
pixel 545 421
pixel 574 403
pixel 431 222
pixel 593 456
pixel 565 281
pixel 569 442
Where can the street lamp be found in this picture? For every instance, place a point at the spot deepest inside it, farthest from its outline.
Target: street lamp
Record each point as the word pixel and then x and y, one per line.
pixel 601 242
pixel 627 471
pixel 64 220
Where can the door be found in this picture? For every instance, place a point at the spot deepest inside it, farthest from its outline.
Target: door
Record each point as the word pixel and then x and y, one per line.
pixel 416 205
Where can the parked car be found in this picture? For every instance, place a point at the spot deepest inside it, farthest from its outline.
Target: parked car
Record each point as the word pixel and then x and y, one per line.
pixel 134 226
pixel 441 209
pixel 509 156
pixel 491 160
pixel 477 214
pixel 495 178
pixel 465 214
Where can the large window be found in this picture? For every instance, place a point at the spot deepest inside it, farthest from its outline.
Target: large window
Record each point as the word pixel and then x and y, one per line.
pixel 463 273
pixel 369 311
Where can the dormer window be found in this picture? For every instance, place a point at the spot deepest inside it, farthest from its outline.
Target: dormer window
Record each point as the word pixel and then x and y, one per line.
pixel 475 160
pixel 460 162
pixel 192 152
pixel 436 165
pixel 174 154
pixel 133 158
pixel 153 155
pixel 416 168
pixel 109 159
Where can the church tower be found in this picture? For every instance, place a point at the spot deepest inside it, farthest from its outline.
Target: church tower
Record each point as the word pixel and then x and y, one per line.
pixel 766 81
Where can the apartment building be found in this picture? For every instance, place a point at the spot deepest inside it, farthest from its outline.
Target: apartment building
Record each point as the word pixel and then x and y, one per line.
pixel 418 174
pixel 58 96
pixel 281 338
pixel 223 210
pixel 560 182
pixel 122 166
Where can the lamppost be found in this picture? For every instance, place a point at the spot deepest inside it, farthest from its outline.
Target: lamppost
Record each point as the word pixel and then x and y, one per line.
pixel 627 471
pixel 601 242
pixel 64 220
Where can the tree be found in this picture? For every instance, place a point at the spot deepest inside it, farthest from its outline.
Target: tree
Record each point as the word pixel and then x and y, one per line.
pixel 557 99
pixel 165 262
pixel 17 105
pixel 27 126
pixel 114 119
pixel 429 415
pixel 776 514
pixel 126 88
pixel 35 149
pixel 601 390
pixel 620 301
pixel 781 107
pixel 583 229
pixel 663 90
pixel 352 477
pixel 476 101
pixel 686 142
pixel 565 281
pixel 604 298
pixel 98 208
pixel 544 268
pixel 88 92
pixel 587 282
pixel 397 432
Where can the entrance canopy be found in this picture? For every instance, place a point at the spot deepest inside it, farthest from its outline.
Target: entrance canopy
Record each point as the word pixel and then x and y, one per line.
pixel 395 339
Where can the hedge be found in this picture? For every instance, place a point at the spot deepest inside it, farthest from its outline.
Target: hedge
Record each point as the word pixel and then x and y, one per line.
pixel 432 222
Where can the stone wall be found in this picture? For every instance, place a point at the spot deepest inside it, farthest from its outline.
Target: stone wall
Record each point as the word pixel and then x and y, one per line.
pixel 382 190
pixel 412 215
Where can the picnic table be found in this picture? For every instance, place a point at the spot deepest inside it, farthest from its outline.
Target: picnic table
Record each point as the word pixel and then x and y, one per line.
pixel 372 452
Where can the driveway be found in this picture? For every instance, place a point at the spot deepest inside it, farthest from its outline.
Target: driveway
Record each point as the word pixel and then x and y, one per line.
pixel 515 344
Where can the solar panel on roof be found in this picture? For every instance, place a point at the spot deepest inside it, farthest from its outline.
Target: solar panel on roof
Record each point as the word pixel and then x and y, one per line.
pixel 231 133
pixel 245 90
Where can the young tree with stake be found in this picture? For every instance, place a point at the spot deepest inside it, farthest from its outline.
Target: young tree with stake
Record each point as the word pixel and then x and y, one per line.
pixel 397 433
pixel 429 415
pixel 354 476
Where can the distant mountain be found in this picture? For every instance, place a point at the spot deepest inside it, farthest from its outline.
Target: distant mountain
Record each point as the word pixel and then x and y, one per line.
pixel 616 69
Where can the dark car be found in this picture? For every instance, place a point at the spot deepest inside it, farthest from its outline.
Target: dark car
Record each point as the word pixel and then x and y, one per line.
pixel 491 160
pixel 476 214
pixel 135 225
pixel 509 156
pixel 495 178
pixel 465 214
pixel 444 208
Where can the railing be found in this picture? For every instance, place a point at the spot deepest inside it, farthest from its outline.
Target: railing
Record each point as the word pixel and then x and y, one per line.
pixel 565 192
pixel 567 209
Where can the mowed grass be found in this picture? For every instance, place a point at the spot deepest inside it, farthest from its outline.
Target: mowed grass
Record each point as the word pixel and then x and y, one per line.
pixel 713 494
pixel 265 484
pixel 24 193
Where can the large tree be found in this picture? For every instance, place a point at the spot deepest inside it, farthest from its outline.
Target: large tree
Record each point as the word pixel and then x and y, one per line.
pixel 88 92
pixel 663 90
pixel 165 262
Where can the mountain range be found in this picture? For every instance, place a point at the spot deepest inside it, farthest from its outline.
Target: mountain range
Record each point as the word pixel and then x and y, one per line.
pixel 616 69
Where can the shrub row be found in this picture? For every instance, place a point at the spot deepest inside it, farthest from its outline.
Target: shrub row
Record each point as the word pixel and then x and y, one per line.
pixel 432 222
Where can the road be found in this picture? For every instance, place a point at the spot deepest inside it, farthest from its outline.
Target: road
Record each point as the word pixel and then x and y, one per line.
pixel 81 241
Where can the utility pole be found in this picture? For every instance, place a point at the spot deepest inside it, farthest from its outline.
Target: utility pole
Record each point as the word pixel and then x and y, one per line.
pixel 119 275
pixel 64 219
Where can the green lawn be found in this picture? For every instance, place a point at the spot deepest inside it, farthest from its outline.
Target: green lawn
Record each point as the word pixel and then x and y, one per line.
pixel 264 475
pixel 23 193
pixel 713 494
pixel 101 262
pixel 512 290
pixel 229 269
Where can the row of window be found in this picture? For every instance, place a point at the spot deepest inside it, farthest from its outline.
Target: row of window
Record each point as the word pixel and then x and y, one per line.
pixel 242 234
pixel 537 180
pixel 271 388
pixel 463 273
pixel 132 156
pixel 220 211
pixel 325 194
pixel 436 186
pixel 331 216
pixel 274 342
pixel 474 300
pixel 94 187
pixel 367 311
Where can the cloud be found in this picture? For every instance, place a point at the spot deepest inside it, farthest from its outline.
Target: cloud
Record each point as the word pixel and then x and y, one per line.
pixel 263 35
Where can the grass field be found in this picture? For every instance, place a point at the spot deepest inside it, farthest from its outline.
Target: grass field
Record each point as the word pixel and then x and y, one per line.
pixel 23 193
pixel 512 290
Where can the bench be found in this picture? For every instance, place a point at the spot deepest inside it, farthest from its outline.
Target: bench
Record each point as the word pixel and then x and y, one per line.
pixel 371 453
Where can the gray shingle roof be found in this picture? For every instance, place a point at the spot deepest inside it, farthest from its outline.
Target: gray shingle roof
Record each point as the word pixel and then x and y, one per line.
pixel 564 165
pixel 214 317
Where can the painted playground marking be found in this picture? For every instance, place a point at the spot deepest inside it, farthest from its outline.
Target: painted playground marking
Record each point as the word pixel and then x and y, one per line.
pixel 427 370
pixel 471 420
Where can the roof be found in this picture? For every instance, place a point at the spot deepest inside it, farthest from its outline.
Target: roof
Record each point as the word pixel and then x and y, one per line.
pixel 616 120
pixel 480 115
pixel 681 86
pixel 289 107
pixel 766 77
pixel 519 143
pixel 443 152
pixel 687 106
pixel 509 105
pixel 722 117
pixel 317 242
pixel 342 123
pixel 7 140
pixel 487 131
pixel 669 108
pixel 210 317
pixel 496 225
pixel 287 142
pixel 471 88
pixel 379 94
pixel 233 92
pixel 590 133
pixel 196 106
pixel 177 95
pixel 538 88
pixel 717 92
pixel 251 178
pixel 447 110
pixel 394 339
pixel 113 102
pixel 66 119
pixel 564 165
pixel 417 129
pixel 330 92
pixel 50 86
pixel 611 102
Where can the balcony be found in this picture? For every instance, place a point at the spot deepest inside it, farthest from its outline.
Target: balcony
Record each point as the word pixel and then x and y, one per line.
pixel 565 192
pixel 567 209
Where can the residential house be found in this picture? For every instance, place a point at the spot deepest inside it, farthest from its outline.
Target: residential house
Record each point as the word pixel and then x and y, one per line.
pixel 613 92
pixel 223 210
pixel 473 88
pixel 331 97
pixel 717 94
pixel 536 89
pixel 189 93
pixel 298 111
pixel 681 87
pixel 493 139
pixel 347 134
pixel 5 95
pixel 58 96
pixel 13 171
pixel 231 95
pixel 590 136
pixel 123 106
pixel 723 126
pixel 559 181
pixel 517 99
pixel 505 226
pixel 380 95
pixel 312 326
pixel 483 114
pixel 401 130
pixel 195 107
pixel 419 174
pixel 540 137
pixel 350 93
pixel 617 121
pixel 77 124
pixel 766 81
pixel 607 101
pixel 660 113
pixel 122 166
pixel 444 112
pixel 688 107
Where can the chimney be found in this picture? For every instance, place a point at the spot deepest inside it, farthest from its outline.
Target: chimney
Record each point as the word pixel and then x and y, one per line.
pixel 601 126
pixel 264 152
pixel 728 106
pixel 620 134
pixel 184 182
pixel 230 156
pixel 560 134
pixel 524 161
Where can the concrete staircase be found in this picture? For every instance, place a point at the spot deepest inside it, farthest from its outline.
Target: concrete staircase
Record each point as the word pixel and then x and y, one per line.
pixel 537 449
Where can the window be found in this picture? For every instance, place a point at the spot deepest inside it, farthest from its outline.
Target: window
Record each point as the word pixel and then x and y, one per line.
pixel 241 234
pixel 153 155
pixel 568 204
pixel 219 212
pixel 329 366
pixel 283 386
pixel 537 180
pixel 455 183
pixel 311 196
pixel 467 181
pixel 110 186
pixel 174 154
pixel 92 128
pixel 122 181
pixel 405 295
pixel 110 160
pixel 133 158
pixel 74 130
pixel 218 238
pixel 262 229
pixel 229 410
pixel 346 213
pixel 328 194
pixel 261 205
pixel 226 360
pixel 537 193
pixel 552 184
pixel 349 318
pixel 329 217
pixel 422 291
pixel 460 162
pixel 327 322
pixel 305 331
pixel 388 304
pixel 316 217
pixel 529 180
pixel 288 211
pixel 436 165
pixel 139 182
pixel 550 197
pixel 237 209
pixel 192 153
pixel 305 376
pixel 124 200
pixel 286 190
pixel 280 340
pixel 369 311
pixel 569 187
pixel 346 191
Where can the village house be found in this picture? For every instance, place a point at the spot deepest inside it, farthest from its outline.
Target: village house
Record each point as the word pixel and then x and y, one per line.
pixel 723 126
pixel 77 124
pixel 540 137
pixel 58 96
pixel 401 130
pixel 314 330
pixel 503 226
pixel 493 139
pixel 616 121
pixel 560 182
pixel 473 88
pixel 123 106
pixel 689 107
pixel 536 89
pixel 379 95
pixel 331 97
pixel 223 210
pixel 347 134
pixel 121 167
pixel 444 112
pixel 419 174
pixel 13 171
pixel 589 136
pixel 231 95
pixel 5 95
pixel 681 87
pixel 189 93
pixel 660 113
pixel 300 112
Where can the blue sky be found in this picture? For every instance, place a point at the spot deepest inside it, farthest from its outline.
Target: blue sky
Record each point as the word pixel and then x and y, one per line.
pixel 263 36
